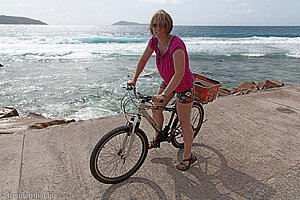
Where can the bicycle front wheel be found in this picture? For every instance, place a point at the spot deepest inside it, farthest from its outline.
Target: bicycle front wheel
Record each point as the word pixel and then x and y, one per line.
pixel 196 119
pixel 110 163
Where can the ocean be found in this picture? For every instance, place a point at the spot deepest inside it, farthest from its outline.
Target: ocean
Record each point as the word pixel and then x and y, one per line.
pixel 78 72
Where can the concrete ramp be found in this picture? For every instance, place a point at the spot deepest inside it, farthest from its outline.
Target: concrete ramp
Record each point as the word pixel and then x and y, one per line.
pixel 247 149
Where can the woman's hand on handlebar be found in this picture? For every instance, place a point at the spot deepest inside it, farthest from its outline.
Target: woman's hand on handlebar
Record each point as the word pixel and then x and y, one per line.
pixel 158 98
pixel 131 82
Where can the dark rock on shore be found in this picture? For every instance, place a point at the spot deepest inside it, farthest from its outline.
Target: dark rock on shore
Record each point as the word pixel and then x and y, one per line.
pixel 267 84
pixel 8 112
pixel 250 87
pixel 224 92
pixel 11 122
pixel 50 123
pixel 245 88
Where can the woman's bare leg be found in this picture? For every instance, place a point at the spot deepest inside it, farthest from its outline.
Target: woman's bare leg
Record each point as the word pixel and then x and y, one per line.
pixel 184 112
pixel 157 114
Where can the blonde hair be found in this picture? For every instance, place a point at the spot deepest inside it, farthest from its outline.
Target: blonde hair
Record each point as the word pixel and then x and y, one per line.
pixel 165 18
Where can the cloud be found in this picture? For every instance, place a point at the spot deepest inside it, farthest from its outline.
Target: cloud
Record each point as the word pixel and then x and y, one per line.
pixel 21 4
pixel 244 12
pixel 247 12
pixel 164 1
pixel 46 12
pixel 231 1
pixel 243 5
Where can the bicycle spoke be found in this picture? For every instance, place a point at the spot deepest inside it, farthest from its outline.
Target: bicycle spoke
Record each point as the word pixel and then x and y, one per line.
pixel 112 162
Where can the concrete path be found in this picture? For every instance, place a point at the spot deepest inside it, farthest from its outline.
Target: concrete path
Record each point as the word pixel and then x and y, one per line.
pixel 249 148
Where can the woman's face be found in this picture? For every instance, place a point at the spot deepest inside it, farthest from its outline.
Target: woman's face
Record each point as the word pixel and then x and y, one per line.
pixel 159 28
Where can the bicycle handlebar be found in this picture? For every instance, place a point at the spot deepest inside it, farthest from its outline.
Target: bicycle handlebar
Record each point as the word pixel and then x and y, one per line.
pixel 146 98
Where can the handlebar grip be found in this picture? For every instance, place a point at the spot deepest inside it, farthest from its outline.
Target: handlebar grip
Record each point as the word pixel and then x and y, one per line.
pixel 130 87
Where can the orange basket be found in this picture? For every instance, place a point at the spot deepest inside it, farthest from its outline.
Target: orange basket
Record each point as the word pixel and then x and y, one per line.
pixel 206 89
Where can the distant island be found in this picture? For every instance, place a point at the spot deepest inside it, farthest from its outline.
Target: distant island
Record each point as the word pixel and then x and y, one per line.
pixel 127 23
pixel 19 20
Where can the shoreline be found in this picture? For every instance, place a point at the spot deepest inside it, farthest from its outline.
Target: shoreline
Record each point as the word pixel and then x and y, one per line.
pixel 30 121
pixel 18 124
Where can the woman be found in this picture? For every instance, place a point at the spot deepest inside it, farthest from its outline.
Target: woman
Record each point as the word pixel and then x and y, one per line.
pixel 173 65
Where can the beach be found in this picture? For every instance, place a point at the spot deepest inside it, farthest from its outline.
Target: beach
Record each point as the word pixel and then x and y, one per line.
pixel 248 148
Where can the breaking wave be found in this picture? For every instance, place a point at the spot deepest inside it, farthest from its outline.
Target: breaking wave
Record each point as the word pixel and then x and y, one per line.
pixel 111 40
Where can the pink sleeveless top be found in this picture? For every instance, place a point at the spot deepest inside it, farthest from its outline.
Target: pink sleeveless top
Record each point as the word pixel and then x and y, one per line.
pixel 165 64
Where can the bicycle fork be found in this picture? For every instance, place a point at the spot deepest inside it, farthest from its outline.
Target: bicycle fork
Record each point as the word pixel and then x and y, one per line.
pixel 130 137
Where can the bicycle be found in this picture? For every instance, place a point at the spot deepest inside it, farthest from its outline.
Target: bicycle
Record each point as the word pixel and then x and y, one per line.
pixel 122 151
pixel 119 148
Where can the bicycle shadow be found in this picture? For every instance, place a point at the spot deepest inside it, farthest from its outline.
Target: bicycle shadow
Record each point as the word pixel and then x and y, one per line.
pixel 147 189
pixel 211 178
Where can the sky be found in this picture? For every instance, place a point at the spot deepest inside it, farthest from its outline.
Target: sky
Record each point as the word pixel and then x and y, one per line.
pixel 183 12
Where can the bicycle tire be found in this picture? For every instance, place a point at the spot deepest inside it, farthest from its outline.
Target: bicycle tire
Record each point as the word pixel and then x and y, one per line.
pixel 197 115
pixel 106 159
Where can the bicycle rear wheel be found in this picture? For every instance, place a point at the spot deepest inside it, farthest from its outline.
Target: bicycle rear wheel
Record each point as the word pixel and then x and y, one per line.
pixel 196 119
pixel 108 163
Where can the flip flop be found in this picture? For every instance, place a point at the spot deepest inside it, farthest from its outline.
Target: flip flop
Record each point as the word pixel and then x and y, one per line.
pixel 183 167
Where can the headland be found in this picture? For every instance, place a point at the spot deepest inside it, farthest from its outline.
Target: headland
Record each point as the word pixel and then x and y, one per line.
pixel 19 20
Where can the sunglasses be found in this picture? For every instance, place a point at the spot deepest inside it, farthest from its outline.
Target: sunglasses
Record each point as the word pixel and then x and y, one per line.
pixel 159 25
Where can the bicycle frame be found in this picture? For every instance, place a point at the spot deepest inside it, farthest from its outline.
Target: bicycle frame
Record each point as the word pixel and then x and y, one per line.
pixel 123 150
pixel 135 121
pixel 163 133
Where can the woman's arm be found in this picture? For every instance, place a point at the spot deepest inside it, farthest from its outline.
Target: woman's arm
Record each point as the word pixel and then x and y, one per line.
pixel 179 67
pixel 141 64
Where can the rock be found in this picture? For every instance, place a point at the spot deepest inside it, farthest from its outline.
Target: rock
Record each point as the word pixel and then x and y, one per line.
pixel 260 85
pixel 267 84
pixel 245 88
pixel 8 112
pixel 1 65
pixel 34 116
pixel 250 87
pixel 278 82
pixel 224 92
pixel 285 110
pixel 49 123
pixel 247 85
